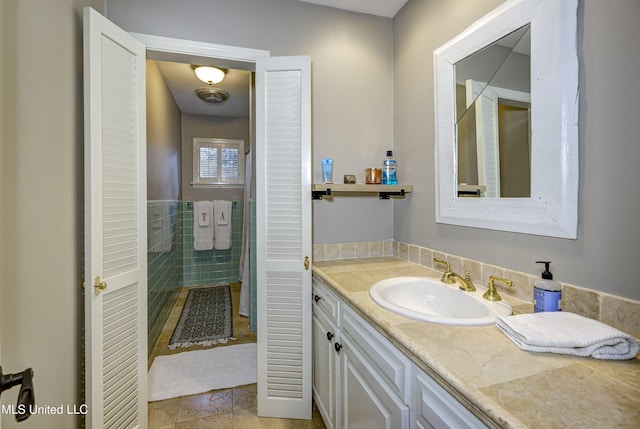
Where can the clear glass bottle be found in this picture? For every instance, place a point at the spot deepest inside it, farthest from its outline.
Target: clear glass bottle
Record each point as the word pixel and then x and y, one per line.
pixel 389 165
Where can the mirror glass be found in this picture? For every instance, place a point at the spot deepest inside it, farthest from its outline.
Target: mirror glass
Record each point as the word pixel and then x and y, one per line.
pixel 506 120
pixel 493 112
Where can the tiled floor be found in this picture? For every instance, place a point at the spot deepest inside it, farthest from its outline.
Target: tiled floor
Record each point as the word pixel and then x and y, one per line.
pixel 219 409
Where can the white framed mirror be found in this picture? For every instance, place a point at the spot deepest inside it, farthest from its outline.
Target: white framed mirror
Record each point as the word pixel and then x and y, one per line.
pixel 551 207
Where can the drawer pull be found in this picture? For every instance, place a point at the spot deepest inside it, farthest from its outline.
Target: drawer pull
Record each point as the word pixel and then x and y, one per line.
pixel 317 298
pixel 337 346
pixel 330 336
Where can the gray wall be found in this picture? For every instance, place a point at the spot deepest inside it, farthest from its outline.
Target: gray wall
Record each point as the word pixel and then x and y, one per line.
pixel 352 63
pixel 41 170
pixel 164 138
pixel 373 86
pixel 606 253
pixel 170 136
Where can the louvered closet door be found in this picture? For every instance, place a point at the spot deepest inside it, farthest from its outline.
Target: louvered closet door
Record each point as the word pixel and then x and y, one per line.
pixel 115 226
pixel 283 177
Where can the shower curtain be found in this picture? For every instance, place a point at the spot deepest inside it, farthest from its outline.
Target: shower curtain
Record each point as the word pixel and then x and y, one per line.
pixel 243 275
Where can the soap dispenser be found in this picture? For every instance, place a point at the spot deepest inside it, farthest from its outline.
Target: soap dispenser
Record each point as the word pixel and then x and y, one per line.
pixel 547 293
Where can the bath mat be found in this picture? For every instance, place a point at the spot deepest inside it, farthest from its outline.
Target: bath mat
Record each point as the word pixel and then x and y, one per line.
pixel 206 318
pixel 198 371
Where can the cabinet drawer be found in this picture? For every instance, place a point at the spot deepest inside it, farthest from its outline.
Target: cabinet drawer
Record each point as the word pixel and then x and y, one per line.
pixel 436 408
pixel 325 300
pixel 389 362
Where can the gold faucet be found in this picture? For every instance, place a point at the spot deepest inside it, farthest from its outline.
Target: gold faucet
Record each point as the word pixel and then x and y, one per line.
pixel 449 277
pixel 446 276
pixel 492 294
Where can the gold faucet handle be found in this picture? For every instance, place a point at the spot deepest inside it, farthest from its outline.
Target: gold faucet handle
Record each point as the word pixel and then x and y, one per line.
pixel 492 294
pixel 467 276
pixel 470 287
pixel 443 262
pixel 447 275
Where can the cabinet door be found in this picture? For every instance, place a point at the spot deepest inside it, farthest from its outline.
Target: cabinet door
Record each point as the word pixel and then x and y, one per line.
pixel 436 408
pixel 324 368
pixel 367 402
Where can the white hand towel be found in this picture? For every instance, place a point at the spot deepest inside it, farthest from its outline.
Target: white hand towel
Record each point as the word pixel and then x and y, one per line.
pixel 202 225
pixel 567 333
pixel 222 224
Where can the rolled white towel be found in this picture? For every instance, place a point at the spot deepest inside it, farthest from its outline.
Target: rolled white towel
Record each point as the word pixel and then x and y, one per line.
pixel 567 333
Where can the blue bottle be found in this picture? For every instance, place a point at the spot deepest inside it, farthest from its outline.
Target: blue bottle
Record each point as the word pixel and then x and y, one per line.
pixel 389 176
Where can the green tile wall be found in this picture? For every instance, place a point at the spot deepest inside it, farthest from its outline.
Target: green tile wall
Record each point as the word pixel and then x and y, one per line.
pixel 210 266
pixel 164 275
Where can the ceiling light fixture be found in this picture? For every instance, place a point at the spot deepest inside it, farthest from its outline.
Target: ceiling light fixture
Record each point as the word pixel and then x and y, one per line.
pixel 210 75
pixel 212 95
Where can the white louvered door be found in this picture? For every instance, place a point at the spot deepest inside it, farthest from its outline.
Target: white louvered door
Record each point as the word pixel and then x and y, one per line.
pixel 115 226
pixel 283 177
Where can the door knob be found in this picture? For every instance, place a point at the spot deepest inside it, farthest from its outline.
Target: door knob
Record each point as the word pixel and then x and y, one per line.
pixel 99 286
pixel 306 263
pixel 329 336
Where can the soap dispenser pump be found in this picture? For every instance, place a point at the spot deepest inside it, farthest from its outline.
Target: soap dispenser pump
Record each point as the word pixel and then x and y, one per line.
pixel 547 293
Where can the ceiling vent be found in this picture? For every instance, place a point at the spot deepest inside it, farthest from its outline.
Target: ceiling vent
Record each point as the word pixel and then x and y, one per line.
pixel 212 95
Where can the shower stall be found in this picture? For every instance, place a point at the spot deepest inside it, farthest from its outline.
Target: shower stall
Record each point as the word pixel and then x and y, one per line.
pixel 173 263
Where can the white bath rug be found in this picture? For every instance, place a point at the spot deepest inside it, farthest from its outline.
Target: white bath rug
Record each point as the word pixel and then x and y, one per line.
pixel 199 371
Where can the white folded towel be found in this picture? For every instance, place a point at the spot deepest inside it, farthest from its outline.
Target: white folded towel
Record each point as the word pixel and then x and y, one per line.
pixel 202 225
pixel 222 224
pixel 567 333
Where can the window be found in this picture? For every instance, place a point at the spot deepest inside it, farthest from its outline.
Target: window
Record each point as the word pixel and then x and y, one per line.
pixel 217 162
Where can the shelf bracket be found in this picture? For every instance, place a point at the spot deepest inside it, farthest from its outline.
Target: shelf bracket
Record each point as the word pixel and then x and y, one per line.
pixel 317 195
pixel 477 192
pixel 386 195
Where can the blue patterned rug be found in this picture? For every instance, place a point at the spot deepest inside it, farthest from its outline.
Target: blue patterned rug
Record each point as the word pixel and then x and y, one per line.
pixel 206 318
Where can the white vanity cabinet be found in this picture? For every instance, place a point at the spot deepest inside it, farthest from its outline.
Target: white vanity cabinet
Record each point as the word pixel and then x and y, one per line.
pixel 362 381
pixel 326 309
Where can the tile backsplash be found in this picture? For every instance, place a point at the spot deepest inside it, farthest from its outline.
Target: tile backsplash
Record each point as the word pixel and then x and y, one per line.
pixel 619 312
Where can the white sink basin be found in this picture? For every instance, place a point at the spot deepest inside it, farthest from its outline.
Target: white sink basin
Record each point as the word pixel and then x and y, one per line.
pixel 428 299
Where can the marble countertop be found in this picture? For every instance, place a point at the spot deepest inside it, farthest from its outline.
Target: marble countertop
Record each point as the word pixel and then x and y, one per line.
pixel 501 384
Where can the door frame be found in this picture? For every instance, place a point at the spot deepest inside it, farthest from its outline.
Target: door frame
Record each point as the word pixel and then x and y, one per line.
pixel 162 48
pixel 170 49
